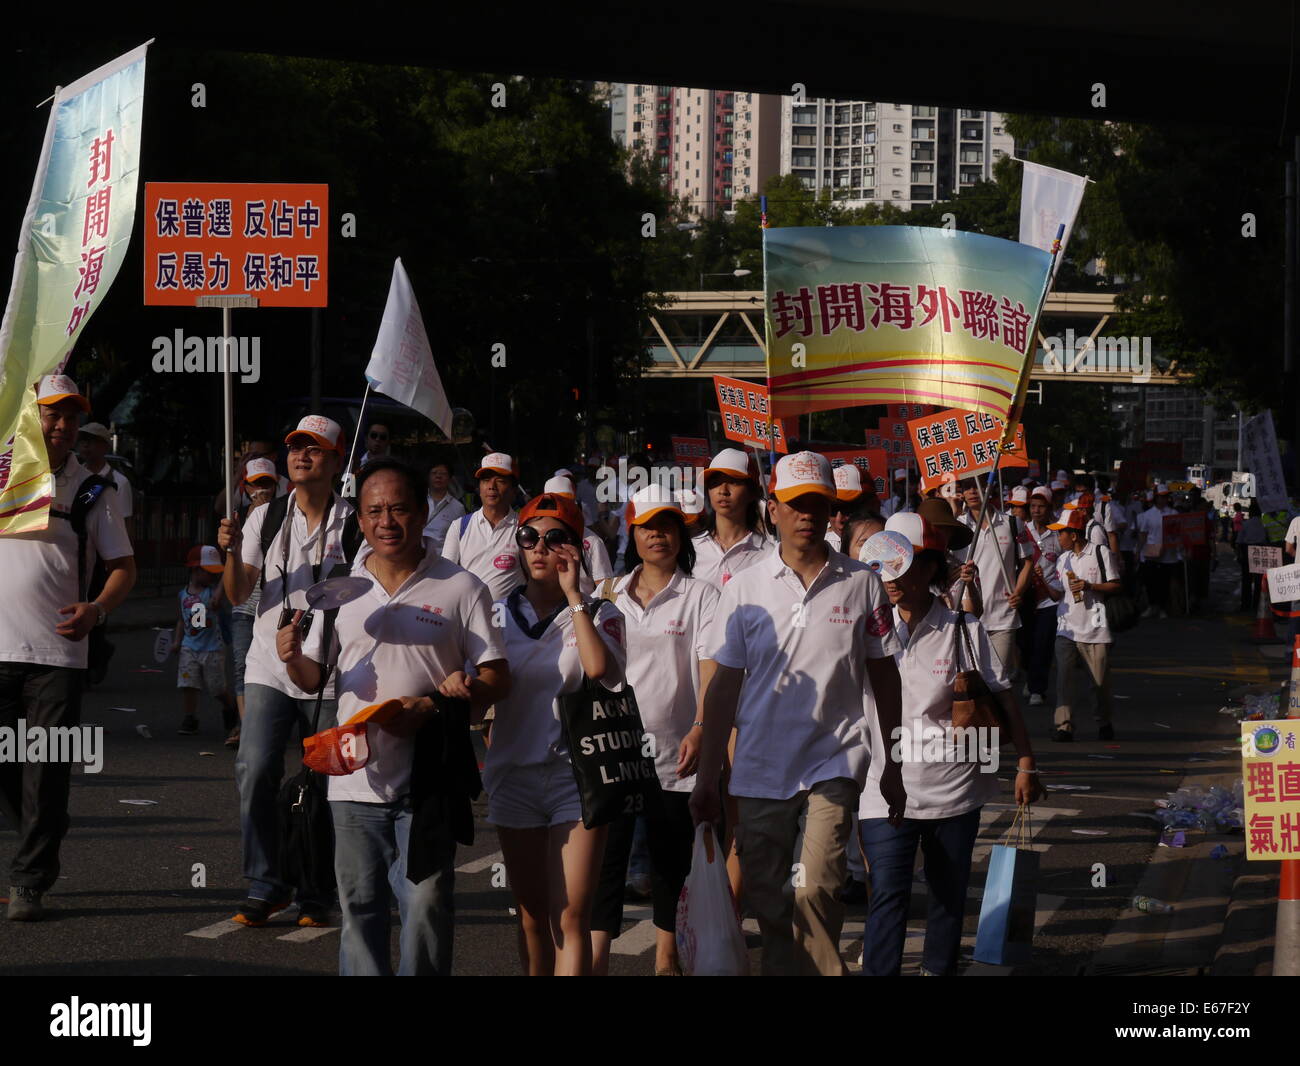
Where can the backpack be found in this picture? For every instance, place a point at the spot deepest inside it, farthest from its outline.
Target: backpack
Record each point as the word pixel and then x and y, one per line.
pixel 88 494
pixel 276 511
pixel 1121 610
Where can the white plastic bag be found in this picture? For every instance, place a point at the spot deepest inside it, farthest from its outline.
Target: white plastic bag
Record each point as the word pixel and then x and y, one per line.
pixel 709 939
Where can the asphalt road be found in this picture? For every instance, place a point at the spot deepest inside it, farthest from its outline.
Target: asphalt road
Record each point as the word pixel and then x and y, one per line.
pixel 130 901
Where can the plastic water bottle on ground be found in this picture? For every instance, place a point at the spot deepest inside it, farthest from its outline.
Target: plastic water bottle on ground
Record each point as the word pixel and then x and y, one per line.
pixel 1151 905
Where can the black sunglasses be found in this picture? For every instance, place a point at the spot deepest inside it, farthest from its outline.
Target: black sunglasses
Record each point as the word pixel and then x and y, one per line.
pixel 527 537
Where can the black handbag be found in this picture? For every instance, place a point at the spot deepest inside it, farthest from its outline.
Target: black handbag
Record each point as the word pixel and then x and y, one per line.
pixel 1121 609
pixel 305 822
pixel 608 751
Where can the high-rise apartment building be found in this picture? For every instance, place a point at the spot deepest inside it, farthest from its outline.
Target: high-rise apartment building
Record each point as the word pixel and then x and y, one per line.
pixel 710 147
pixel 904 154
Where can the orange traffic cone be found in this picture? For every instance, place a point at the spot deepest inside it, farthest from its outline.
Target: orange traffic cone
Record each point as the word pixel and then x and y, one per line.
pixel 1264 631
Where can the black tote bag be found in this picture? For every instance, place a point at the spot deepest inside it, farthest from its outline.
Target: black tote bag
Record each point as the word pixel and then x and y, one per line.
pixel 612 763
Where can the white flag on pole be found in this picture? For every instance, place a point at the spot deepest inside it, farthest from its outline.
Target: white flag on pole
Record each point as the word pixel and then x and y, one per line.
pixel 1048 197
pixel 401 365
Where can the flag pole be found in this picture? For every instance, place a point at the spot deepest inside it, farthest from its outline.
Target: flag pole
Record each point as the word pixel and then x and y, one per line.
pixel 767 356
pixel 1022 386
pixel 361 421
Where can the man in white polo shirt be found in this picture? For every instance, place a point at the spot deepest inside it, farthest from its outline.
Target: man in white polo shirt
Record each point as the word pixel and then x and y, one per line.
pixel 999 554
pixel 444 508
pixel 46 618
pixel 306 547
pixel 796 639
pixel 409 637
pixel 484 542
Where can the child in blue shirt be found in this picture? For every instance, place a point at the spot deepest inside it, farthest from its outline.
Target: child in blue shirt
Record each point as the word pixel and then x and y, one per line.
pixel 197 641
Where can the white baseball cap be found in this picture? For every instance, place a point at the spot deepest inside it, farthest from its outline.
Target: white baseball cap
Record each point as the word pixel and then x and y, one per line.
pixel 1161 489
pixel 803 473
pixel 497 463
pixel 324 431
pixel 562 472
pixel 848 481
pixel 1043 493
pixel 648 502
pixel 97 429
pixel 260 468
pixel 55 387
pixel 206 557
pixel 900 474
pixel 558 486
pixel 919 533
pixel 1019 495
pixel 1062 475
pixel 1060 486
pixel 734 463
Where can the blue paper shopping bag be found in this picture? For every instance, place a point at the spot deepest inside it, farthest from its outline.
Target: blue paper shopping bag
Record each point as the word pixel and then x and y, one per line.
pixel 1006 929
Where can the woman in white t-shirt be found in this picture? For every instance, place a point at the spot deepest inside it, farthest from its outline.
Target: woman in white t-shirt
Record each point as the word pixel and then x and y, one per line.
pixel 944 795
pixel 552 639
pixel 667 613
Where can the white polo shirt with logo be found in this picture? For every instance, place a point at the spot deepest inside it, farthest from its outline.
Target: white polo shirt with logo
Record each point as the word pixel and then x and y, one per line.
pixel 406 644
pixel 994 544
pixel 666 639
pixel 442 513
pixel 1050 547
pixel 307 551
pixel 1085 622
pixel 927 665
pixel 526 730
pixel 799 717
pixel 717 567
pixel 486 551
pixel 596 557
pixel 40 574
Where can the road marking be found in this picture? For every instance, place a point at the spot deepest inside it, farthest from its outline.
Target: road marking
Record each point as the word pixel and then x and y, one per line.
pixel 302 936
pixel 477 866
pixel 211 932
pixel 641 937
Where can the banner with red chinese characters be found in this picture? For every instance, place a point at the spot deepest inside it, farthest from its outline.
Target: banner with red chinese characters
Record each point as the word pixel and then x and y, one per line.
pixel 1191 531
pixel 1270 775
pixel 266 241
pixel 73 241
pixel 954 444
pixel 745 417
pixel 897 314
pixel 690 451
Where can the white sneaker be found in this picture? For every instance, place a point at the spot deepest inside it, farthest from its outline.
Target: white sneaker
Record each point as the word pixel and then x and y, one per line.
pixel 1149 612
pixel 1035 700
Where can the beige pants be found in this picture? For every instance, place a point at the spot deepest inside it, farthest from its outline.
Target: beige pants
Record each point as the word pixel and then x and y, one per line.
pixel 1004 643
pixel 1069 656
pixel 796 897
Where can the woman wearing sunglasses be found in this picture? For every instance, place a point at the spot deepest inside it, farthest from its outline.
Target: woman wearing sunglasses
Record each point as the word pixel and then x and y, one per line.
pixel 668 614
pixel 552 639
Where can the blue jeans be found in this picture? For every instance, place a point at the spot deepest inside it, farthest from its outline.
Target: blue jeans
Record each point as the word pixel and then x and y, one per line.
pixel 269 718
pixel 241 633
pixel 370 848
pixel 947 844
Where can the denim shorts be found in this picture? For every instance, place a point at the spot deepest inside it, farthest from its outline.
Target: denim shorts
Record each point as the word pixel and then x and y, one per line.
pixel 535 797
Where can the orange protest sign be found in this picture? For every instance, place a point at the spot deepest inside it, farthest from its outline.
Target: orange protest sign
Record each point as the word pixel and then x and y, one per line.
pixel 268 241
pixel 744 408
pixel 955 444
pixel 895 439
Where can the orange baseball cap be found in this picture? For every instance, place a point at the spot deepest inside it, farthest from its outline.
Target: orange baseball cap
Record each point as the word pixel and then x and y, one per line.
pixel 206 557
pixel 802 473
pixel 1076 520
pixel 324 431
pixel 549 505
pixel 52 388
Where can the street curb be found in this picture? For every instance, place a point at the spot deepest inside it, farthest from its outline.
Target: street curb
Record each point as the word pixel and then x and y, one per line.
pixel 1246 949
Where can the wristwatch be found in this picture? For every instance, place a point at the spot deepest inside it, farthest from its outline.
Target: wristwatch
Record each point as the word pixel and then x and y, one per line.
pixel 577 608
pixel 103 614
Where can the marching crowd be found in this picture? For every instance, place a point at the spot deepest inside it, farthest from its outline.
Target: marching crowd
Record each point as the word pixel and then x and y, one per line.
pixel 773 664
